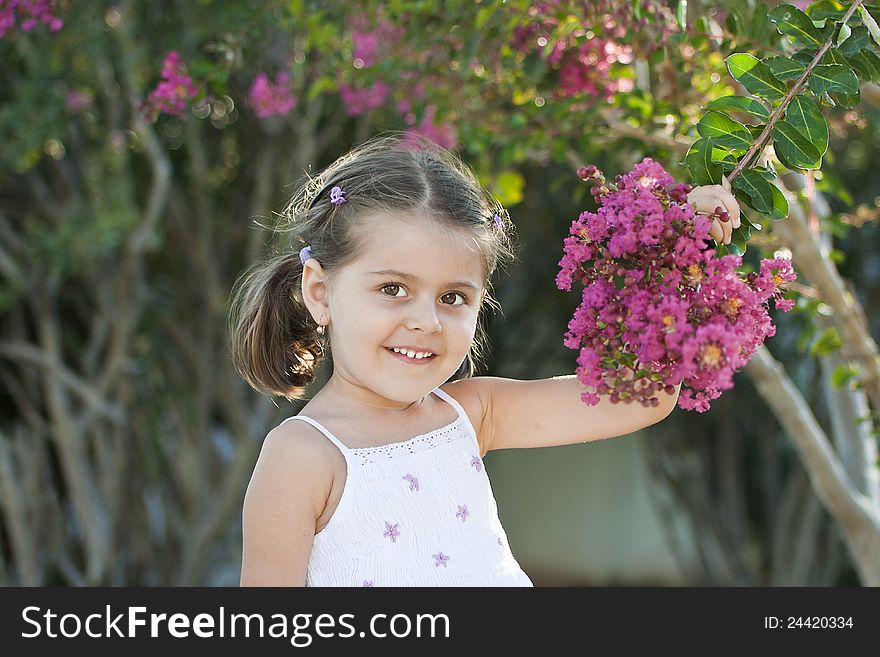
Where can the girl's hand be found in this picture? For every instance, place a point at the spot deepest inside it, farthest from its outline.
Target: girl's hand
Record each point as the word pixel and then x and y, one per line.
pixel 706 198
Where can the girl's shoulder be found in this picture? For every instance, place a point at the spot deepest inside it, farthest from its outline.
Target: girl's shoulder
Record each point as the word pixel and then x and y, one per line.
pixel 471 395
pixel 301 444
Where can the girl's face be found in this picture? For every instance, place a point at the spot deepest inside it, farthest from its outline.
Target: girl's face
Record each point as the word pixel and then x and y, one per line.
pixel 414 285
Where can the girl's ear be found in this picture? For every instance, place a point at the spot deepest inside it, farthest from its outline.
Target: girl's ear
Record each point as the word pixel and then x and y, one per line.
pixel 314 291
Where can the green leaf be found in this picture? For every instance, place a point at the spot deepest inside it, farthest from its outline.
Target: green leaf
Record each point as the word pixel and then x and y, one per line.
pixel 785 68
pixel 871 61
pixel 780 204
pixel 758 191
pixel 870 23
pixel 843 35
pixel 793 22
pixel 738 238
pixel 483 16
pixel 744 219
pixel 755 76
pixel 780 155
pixel 858 40
pixel 724 156
pixel 842 374
pixel 681 10
pixel 833 78
pixel 863 67
pixel 734 22
pixel 804 115
pixel 700 166
pixel 826 343
pixel 793 147
pixel 724 131
pixel 847 100
pixel 766 173
pixel 741 104
pixel 834 56
pixel 636 6
pixel 825 9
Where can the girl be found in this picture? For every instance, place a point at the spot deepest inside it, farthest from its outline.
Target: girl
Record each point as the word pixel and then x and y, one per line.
pixel 379 481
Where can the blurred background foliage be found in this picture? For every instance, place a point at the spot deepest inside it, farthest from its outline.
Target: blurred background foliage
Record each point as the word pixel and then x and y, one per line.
pixel 132 192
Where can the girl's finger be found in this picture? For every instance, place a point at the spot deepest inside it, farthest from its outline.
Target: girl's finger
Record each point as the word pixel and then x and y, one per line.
pixel 730 204
pixel 716 232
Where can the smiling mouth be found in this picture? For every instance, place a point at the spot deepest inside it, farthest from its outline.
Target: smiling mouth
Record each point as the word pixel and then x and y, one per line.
pixel 410 359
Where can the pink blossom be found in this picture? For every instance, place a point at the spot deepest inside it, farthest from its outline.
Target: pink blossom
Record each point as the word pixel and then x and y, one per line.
pixel 31 13
pixel 657 308
pixel 443 134
pixel 361 101
pixel 270 99
pixel 372 38
pixel 173 94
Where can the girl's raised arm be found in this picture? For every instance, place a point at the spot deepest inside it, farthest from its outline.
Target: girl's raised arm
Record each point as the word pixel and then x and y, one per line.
pixel 550 412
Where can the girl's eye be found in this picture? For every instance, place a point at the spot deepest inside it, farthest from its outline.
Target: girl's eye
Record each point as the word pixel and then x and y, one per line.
pixel 453 295
pixel 391 286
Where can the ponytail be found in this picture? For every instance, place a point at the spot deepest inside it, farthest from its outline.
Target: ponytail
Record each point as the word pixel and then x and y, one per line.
pixel 273 339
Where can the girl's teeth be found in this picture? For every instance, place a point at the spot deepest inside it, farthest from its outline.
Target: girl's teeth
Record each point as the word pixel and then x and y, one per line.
pixel 412 354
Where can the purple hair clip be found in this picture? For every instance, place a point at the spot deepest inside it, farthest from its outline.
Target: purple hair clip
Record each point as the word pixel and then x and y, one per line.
pixel 305 253
pixel 337 196
pixel 497 222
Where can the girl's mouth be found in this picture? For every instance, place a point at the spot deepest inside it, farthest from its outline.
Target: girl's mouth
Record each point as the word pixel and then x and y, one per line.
pixel 409 359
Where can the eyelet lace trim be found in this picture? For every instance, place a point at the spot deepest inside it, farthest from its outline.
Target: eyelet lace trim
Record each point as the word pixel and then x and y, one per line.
pixel 439 437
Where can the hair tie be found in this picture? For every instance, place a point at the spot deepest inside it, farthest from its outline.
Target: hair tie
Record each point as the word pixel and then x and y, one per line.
pixel 336 196
pixel 497 222
pixel 304 254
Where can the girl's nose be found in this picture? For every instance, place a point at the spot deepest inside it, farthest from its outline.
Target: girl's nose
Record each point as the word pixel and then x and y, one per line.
pixel 424 317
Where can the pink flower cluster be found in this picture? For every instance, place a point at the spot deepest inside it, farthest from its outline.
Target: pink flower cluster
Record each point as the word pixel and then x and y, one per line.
pixel 443 134
pixel 373 37
pixel 657 307
pixel 269 99
pixel 370 42
pixel 174 93
pixel 31 13
pixel 587 69
pixel 361 101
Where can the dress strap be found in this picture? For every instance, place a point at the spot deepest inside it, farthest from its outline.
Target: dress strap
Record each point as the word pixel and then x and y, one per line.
pixel 461 413
pixel 320 427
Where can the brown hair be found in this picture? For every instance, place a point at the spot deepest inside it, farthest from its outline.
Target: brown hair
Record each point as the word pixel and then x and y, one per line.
pixel 274 341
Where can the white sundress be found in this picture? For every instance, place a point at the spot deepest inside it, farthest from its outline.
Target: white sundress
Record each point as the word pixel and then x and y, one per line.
pixel 415 513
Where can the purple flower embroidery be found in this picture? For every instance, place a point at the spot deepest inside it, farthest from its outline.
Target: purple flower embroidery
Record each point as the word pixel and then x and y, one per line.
pixel 477 463
pixel 463 512
pixel 391 531
pixel 368 582
pixel 441 559
pixel 413 482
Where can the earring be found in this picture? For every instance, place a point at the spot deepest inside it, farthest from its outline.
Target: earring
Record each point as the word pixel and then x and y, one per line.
pixel 320 330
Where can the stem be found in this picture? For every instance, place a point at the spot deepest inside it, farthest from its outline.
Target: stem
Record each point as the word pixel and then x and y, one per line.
pixel 764 137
